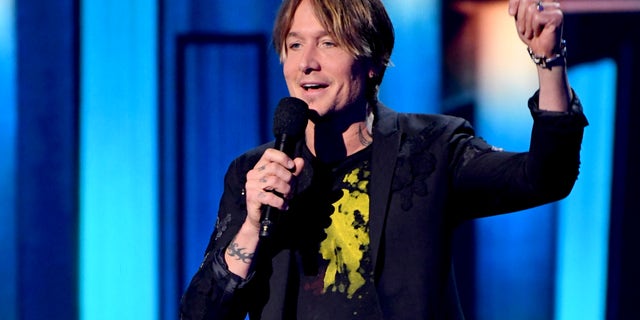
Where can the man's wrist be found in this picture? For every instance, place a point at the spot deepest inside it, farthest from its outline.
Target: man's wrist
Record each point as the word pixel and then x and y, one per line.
pixel 249 228
pixel 557 59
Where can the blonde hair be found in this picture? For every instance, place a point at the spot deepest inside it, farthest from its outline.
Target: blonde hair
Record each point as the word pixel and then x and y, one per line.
pixel 361 26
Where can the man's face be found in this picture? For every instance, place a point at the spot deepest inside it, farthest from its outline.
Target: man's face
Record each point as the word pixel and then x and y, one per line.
pixel 319 71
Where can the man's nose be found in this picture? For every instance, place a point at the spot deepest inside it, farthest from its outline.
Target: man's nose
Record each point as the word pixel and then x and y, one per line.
pixel 309 60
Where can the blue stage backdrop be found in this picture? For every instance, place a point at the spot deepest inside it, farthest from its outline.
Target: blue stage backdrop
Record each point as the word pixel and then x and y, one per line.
pixel 118 256
pixel 119 118
pixel 8 289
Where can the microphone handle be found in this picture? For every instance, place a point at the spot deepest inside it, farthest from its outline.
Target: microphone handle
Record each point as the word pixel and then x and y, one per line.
pixel 265 223
pixel 283 144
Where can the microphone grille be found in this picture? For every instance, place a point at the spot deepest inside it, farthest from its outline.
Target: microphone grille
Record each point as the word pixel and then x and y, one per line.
pixel 290 117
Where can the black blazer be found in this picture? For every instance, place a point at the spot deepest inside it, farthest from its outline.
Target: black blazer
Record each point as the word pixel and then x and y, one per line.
pixel 429 173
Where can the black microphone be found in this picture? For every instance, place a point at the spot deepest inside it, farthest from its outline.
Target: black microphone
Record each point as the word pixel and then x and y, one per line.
pixel 289 121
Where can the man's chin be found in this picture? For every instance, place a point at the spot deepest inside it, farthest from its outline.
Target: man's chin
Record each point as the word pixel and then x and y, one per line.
pixel 316 117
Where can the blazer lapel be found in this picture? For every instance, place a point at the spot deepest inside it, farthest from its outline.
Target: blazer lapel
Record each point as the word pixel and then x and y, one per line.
pixel 386 144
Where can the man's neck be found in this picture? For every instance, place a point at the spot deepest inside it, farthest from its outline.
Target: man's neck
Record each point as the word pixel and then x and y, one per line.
pixel 329 144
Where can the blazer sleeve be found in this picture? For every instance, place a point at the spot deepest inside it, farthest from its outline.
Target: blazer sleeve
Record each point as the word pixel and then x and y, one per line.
pixel 493 181
pixel 214 292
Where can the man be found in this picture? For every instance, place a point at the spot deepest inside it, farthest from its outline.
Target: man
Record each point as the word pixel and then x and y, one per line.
pixel 369 206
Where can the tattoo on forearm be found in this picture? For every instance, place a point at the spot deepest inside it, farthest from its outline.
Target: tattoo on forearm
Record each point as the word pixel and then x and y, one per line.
pixel 239 254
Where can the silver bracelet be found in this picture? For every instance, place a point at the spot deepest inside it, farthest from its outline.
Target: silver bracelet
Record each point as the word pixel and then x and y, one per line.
pixel 547 63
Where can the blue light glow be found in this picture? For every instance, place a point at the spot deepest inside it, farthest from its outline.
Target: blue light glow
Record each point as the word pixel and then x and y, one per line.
pixel 583 227
pixel 8 289
pixel 514 265
pixel 118 161
pixel 514 252
pixel 412 83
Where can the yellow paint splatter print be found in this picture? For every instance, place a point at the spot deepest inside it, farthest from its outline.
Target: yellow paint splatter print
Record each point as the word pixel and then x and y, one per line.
pixel 347 236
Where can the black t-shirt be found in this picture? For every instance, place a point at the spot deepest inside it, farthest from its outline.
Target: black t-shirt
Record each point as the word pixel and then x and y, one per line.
pixel 336 274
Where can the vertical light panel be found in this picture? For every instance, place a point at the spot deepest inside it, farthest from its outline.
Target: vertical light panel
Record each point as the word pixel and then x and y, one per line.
pixel 514 275
pixel 412 83
pixel 8 290
pixel 118 161
pixel 216 129
pixel 583 221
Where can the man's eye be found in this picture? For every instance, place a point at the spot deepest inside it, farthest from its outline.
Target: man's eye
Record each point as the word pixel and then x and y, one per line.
pixel 329 44
pixel 294 45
